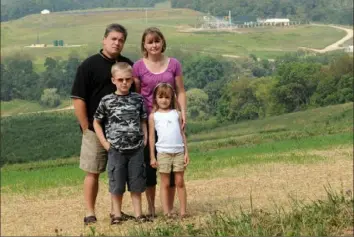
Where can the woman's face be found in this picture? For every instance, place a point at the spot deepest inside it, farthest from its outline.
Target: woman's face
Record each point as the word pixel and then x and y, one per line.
pixel 153 44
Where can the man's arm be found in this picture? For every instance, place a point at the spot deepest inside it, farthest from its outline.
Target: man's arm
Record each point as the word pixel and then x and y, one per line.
pixel 81 113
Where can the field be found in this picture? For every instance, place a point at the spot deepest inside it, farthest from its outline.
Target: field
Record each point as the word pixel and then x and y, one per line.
pixel 87 29
pixel 259 177
pixel 15 107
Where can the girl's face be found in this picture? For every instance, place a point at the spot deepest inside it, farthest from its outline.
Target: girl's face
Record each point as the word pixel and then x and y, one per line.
pixel 153 44
pixel 163 101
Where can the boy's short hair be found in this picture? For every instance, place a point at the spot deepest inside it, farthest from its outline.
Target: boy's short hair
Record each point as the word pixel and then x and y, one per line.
pixel 121 66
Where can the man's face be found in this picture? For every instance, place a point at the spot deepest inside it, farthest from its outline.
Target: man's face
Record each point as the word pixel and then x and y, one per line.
pixel 113 44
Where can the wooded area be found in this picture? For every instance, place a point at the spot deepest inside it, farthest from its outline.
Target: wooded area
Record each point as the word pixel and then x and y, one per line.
pixel 229 90
pixel 329 11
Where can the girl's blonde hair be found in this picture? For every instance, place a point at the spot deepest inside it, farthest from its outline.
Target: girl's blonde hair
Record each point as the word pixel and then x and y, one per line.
pixel 157 33
pixel 163 89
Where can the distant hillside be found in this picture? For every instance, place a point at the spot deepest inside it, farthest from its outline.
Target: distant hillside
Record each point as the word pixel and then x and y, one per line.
pixel 329 11
pixel 14 9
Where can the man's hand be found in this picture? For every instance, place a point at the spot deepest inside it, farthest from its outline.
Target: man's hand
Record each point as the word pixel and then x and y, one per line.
pixel 153 163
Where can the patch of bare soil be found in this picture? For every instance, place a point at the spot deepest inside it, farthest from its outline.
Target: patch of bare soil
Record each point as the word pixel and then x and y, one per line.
pixel 268 185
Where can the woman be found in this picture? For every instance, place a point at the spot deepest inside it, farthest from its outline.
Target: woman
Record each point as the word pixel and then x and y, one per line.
pixel 150 70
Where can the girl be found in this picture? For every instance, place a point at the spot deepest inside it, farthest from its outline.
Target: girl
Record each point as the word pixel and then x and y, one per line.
pixel 171 146
pixel 150 70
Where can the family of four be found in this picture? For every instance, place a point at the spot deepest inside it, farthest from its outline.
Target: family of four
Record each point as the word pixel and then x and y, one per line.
pixel 132 117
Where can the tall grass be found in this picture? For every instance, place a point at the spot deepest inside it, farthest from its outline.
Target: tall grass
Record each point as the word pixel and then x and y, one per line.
pixel 329 217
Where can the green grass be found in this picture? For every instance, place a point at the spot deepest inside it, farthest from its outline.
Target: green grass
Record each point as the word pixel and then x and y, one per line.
pixel 17 106
pixel 41 136
pixel 32 139
pixel 328 217
pixel 56 135
pixel 76 29
pixel 35 176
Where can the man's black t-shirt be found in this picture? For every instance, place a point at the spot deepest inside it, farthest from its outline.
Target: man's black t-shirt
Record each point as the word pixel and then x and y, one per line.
pixel 93 81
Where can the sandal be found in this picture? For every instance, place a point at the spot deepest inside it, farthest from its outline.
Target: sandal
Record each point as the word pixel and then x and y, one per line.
pixel 124 216
pixel 116 220
pixel 90 220
pixel 184 216
pixel 151 216
pixel 142 219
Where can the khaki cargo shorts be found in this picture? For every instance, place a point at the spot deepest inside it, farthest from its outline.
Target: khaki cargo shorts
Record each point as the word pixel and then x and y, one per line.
pixel 170 162
pixel 93 157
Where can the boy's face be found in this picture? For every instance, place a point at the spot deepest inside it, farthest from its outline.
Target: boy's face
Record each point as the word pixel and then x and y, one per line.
pixel 123 81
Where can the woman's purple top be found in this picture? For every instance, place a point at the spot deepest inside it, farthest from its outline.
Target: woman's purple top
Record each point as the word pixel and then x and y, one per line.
pixel 149 80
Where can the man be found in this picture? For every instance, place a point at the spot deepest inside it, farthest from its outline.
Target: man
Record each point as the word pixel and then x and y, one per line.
pixel 92 82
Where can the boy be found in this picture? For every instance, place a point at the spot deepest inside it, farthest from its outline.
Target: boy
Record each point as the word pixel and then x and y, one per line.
pixel 122 115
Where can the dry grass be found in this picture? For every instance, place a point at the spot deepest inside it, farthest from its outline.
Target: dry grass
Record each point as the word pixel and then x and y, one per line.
pixel 268 184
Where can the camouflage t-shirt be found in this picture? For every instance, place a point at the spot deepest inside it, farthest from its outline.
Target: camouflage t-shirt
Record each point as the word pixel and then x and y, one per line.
pixel 121 115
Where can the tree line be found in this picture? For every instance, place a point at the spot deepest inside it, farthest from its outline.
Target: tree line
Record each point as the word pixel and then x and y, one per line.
pixel 335 12
pixel 228 90
pixel 251 88
pixel 329 11
pixel 14 9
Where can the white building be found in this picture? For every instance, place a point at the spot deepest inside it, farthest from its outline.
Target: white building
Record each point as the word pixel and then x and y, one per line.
pixel 349 49
pixel 45 11
pixel 275 21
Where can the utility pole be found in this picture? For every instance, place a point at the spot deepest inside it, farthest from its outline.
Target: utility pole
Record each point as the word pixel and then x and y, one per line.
pixel 230 19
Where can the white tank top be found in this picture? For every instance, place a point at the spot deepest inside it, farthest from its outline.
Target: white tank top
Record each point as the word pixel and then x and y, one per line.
pixel 169 132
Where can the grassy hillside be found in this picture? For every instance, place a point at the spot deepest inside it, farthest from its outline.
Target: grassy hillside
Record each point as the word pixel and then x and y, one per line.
pixel 87 29
pixel 49 136
pixel 251 178
pixel 14 107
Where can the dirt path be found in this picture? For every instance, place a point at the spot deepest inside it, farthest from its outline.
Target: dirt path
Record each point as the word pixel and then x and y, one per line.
pixel 335 45
pixel 268 184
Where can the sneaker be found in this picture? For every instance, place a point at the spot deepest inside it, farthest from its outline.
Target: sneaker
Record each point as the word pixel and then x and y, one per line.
pixel 90 220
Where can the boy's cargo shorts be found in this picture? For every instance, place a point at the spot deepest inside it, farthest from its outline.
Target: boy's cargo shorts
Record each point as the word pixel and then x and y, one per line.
pixel 126 168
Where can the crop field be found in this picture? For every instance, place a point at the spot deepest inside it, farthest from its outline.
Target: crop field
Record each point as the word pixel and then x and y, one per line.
pixel 14 107
pixel 87 30
pixel 260 177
